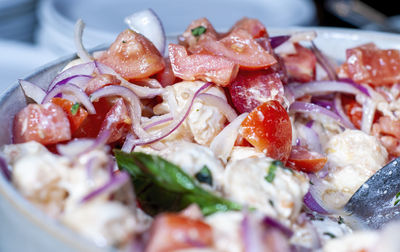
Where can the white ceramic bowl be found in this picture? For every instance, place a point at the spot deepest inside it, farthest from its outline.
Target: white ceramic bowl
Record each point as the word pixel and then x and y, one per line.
pixel 25 228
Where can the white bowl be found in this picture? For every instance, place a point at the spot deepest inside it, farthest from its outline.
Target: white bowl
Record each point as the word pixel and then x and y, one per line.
pixel 25 227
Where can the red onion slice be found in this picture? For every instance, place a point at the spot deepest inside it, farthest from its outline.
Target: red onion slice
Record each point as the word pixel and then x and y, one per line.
pixel 81 69
pixel 356 85
pixel 311 137
pixel 278 40
pixel 129 96
pixel 32 91
pixel 129 143
pixel 79 80
pixel 80 49
pixel 155 123
pixel 251 234
pixel 369 108
pixel 324 62
pixel 337 102
pixel 166 131
pixel 305 107
pixel 75 91
pixel 4 168
pixel 142 92
pixel 321 87
pixel 113 184
pixel 270 222
pixel 223 143
pixel 312 204
pixel 149 25
pixel 221 104
pixel 75 147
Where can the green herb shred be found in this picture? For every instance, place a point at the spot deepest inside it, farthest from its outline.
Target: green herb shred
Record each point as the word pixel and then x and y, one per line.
pixel 198 31
pixel 340 220
pixel 330 235
pixel 272 170
pixel 204 176
pixel 74 108
pixel 397 199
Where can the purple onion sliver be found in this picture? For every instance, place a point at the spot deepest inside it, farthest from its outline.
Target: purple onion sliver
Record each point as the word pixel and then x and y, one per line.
pixel 309 124
pixel 278 40
pixel 324 62
pixel 323 103
pixel 4 169
pixel 312 204
pixel 270 222
pixel 32 91
pixel 356 85
pixel 113 184
pixel 337 105
pixel 153 124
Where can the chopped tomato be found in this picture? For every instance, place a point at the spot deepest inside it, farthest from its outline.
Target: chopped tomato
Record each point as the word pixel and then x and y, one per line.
pixel 166 77
pixel 100 81
pixel 353 111
pixel 268 129
pixel 253 26
pixel 301 159
pixel 241 141
pixel 133 56
pixel 252 88
pixel 172 232
pixel 389 126
pixel 371 65
pixel 117 121
pixel 91 126
pixel 44 123
pixel 75 118
pixel 188 40
pixel 301 65
pixel 205 67
pixel 238 46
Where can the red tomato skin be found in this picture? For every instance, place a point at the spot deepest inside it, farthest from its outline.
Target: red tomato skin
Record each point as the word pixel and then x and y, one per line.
pixel 238 46
pixel 252 88
pixel 117 121
pixel 133 56
pixel 369 64
pixel 171 232
pixel 204 67
pixel 166 77
pixel 75 120
pixel 100 81
pixel 300 66
pixel 253 26
pixel 44 123
pixel 269 130
pixel 301 159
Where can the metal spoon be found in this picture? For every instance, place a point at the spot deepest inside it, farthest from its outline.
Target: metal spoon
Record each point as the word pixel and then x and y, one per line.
pixel 377 201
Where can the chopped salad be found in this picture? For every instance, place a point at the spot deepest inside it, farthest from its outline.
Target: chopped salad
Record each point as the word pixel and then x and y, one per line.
pixel 235 141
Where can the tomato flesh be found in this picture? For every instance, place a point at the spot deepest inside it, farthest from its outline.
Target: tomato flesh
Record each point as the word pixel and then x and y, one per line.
pixel 238 46
pixel 269 130
pixel 204 67
pixel 43 123
pixel 371 65
pixel 100 81
pixel 166 77
pixel 188 40
pixel 301 159
pixel 76 119
pixel 133 56
pixel 252 88
pixel 253 26
pixel 301 65
pixel 172 232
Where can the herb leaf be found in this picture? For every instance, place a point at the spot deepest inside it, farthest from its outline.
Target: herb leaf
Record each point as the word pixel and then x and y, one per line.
pixel 198 31
pixel 272 170
pixel 204 176
pixel 397 199
pixel 162 186
pixel 330 234
pixel 74 108
pixel 340 220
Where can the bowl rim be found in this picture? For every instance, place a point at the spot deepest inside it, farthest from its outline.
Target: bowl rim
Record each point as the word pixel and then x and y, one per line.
pixel 56 229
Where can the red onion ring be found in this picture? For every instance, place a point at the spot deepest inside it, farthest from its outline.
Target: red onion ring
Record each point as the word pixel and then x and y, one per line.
pixel 278 40
pixel 356 85
pixel 270 222
pixel 174 125
pixel 320 87
pixel 75 147
pixel 337 104
pixel 4 169
pixel 81 69
pixel 161 121
pixel 79 80
pixel 251 235
pixel 305 107
pixel 221 104
pixel 76 91
pixel 129 143
pixel 113 184
pixel 80 49
pixel 324 62
pixel 312 204
pixel 32 91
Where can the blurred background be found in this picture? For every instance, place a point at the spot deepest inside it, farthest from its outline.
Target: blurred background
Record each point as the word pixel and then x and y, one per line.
pixel 36 32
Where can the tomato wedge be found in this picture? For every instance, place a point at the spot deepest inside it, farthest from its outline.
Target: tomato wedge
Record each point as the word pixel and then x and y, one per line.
pixel 253 26
pixel 100 81
pixel 204 67
pixel 43 123
pixel 117 121
pixel 75 117
pixel 166 77
pixel 369 64
pixel 172 232
pixel 252 88
pixel 238 46
pixel 353 111
pixel 268 129
pixel 301 65
pixel 188 40
pixel 133 56
pixel 301 159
